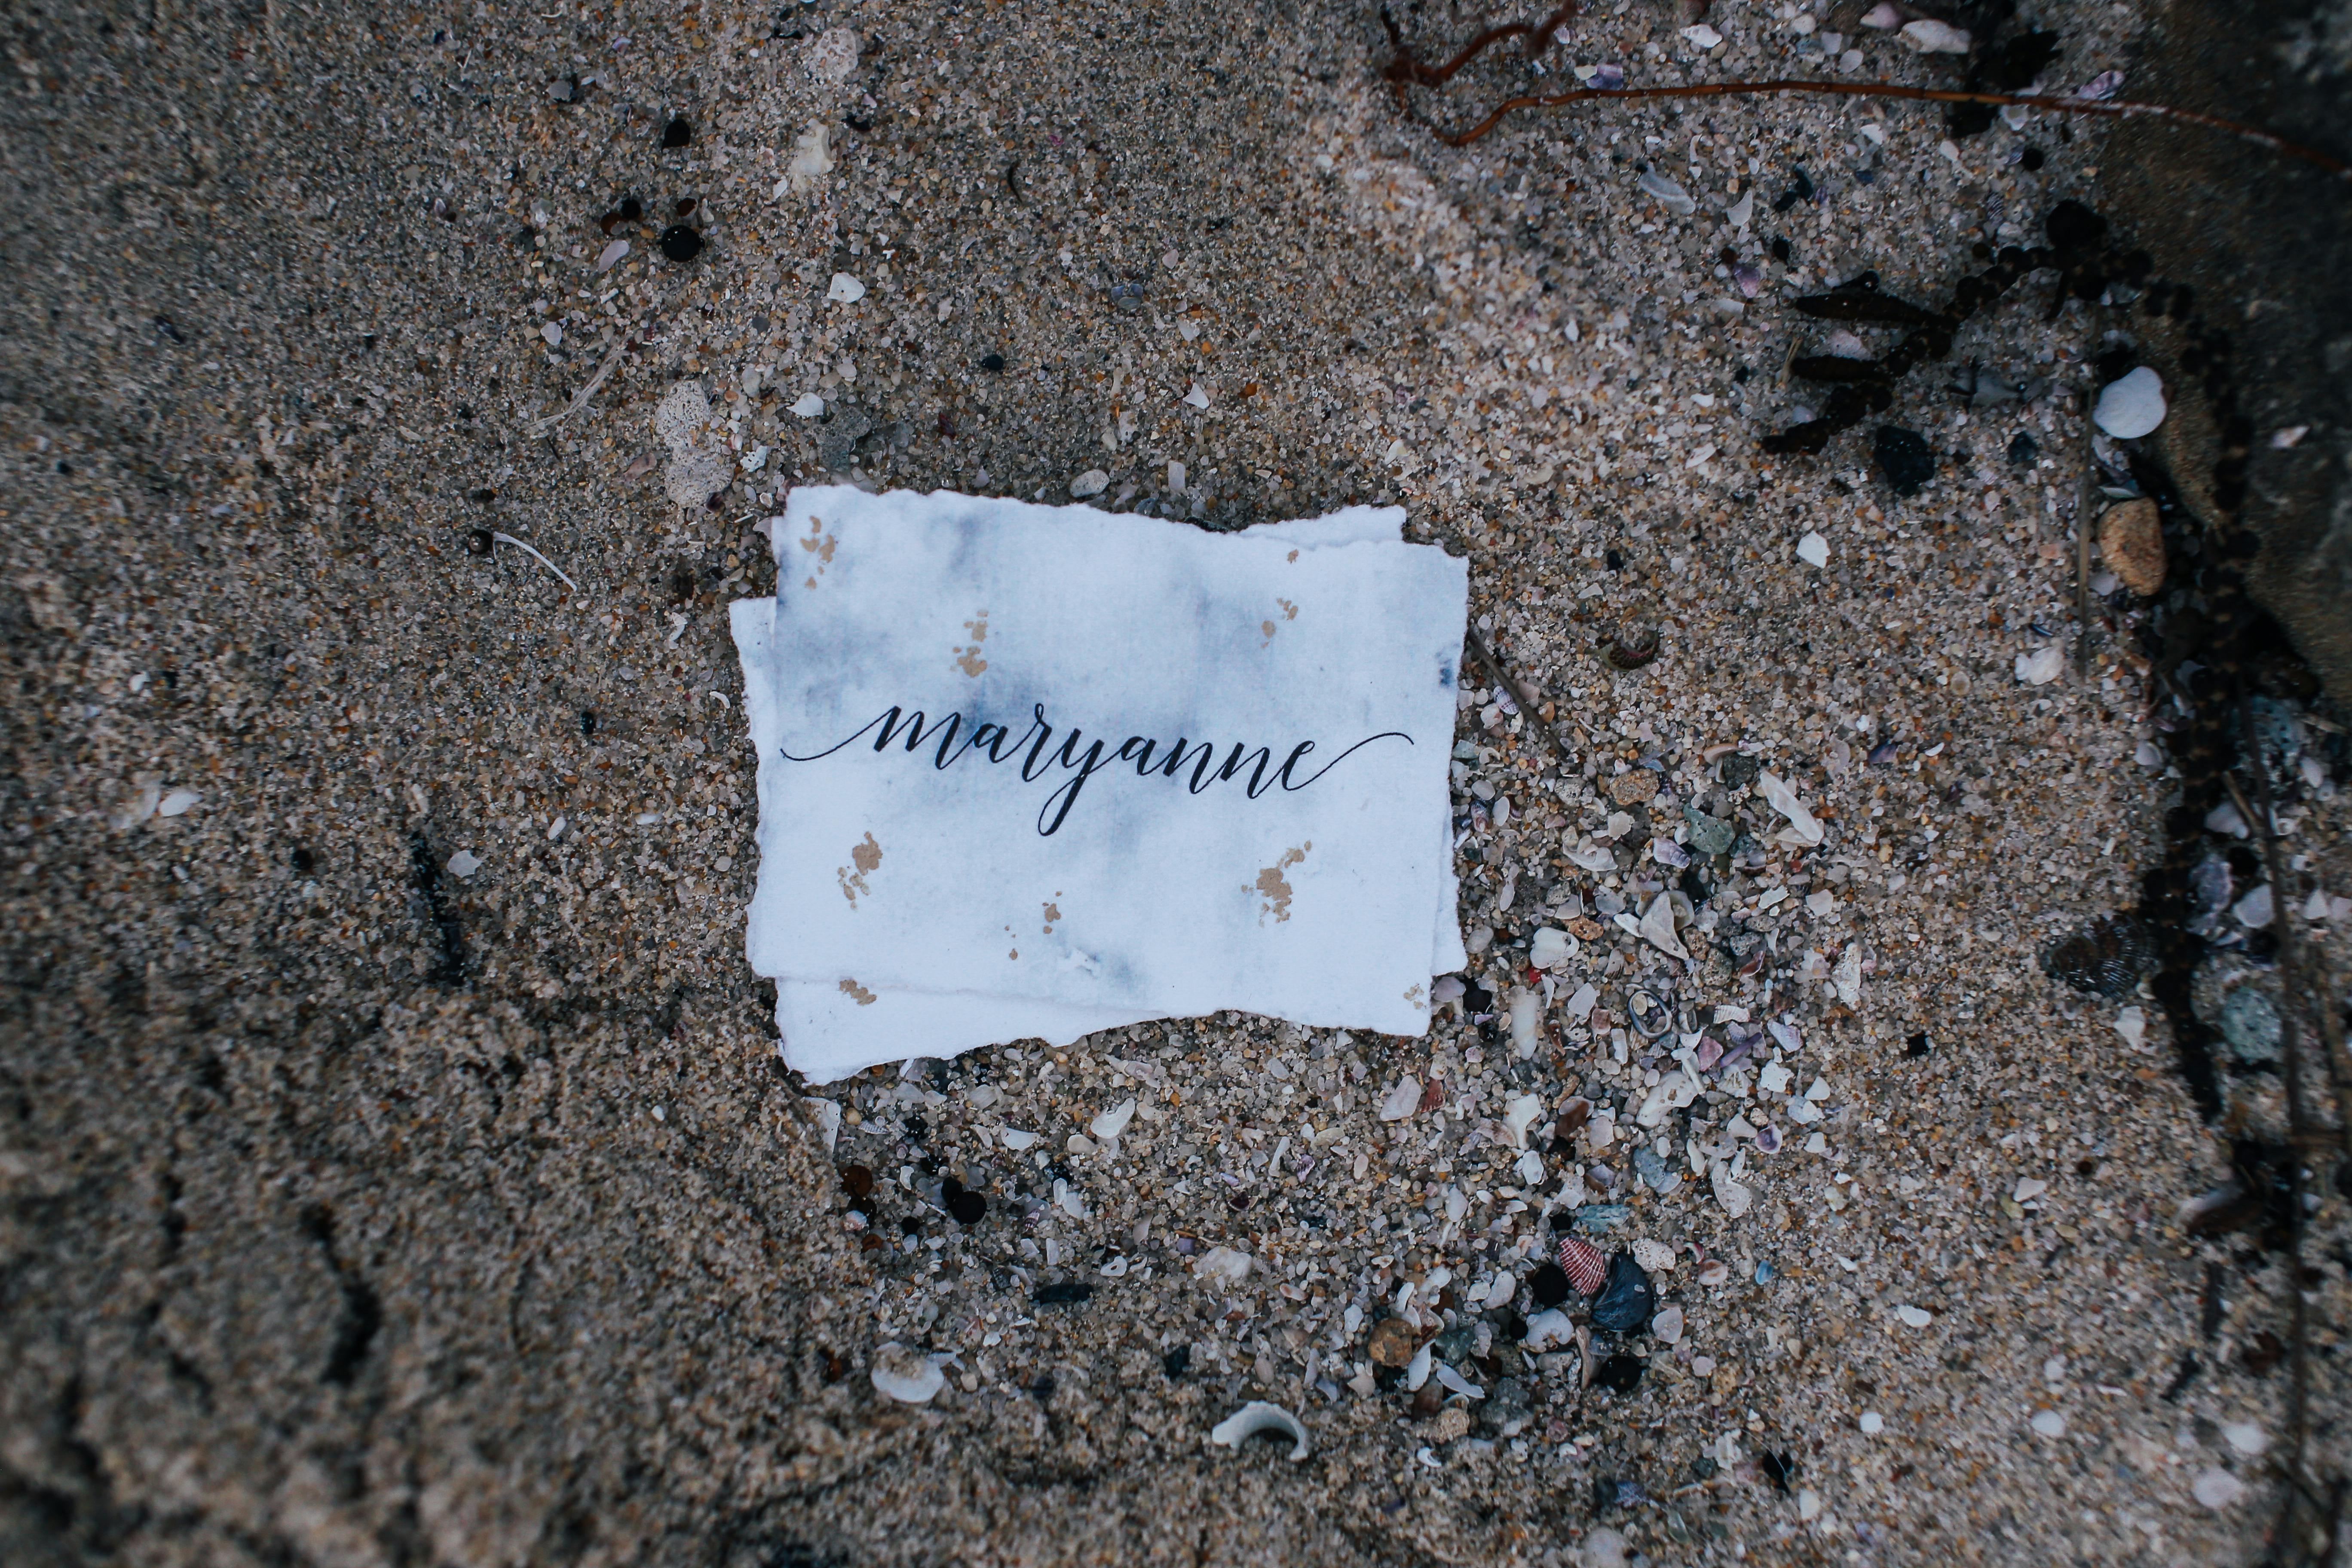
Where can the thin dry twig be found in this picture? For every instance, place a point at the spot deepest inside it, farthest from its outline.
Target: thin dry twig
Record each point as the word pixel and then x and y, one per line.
pixel 2298 1409
pixel 1530 697
pixel 535 555
pixel 2105 108
pixel 1404 69
pixel 2083 545
pixel 580 398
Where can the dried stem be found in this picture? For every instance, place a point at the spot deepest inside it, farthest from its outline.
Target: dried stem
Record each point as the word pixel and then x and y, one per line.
pixel 2104 108
pixel 1529 697
pixel 2085 488
pixel 1405 71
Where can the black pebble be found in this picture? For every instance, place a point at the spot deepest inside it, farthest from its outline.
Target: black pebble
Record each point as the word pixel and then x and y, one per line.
pixel 964 1205
pixel 2023 449
pixel 2104 958
pixel 1178 1362
pixel 993 363
pixel 680 243
pixel 2031 159
pixel 1904 458
pixel 1549 1285
pixel 1780 1469
pixel 304 861
pixel 1616 561
pixel 1918 1045
pixel 588 722
pixel 478 542
pixel 483 497
pixel 677 133
pixel 2073 227
pixel 1781 251
pixel 1627 1302
pixel 1070 1292
pixel 1618 1373
pixel 632 209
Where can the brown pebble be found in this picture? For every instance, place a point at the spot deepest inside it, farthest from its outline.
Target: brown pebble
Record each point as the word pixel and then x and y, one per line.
pixel 856 1181
pixel 1427 1400
pixel 2131 538
pixel 1451 1422
pixel 1391 1342
pixel 1634 787
pixel 1572 1117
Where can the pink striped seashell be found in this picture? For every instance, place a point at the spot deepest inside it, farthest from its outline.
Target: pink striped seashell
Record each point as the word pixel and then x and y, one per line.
pixel 1586 1265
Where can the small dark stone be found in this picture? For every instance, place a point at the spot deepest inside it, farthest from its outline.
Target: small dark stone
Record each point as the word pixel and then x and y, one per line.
pixel 304 861
pixel 588 722
pixel 2030 160
pixel 856 1181
pixel 1615 559
pixel 993 364
pixel 1549 1285
pixel 1628 1301
pixel 1800 190
pixel 1429 1400
pixel 1781 251
pixel 1178 1362
pixel 1703 1469
pixel 1779 1469
pixel 484 496
pixel 2023 450
pixel 964 1205
pixel 680 243
pixel 478 542
pixel 1068 1293
pixel 1618 1373
pixel 677 133
pixel 631 209
pixel 1904 458
pixel 683 205
pixel 1740 772
pixel 909 1225
pixel 1918 1045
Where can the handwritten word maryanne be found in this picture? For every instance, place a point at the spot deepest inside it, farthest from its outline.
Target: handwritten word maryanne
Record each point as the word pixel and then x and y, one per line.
pixel 1081 759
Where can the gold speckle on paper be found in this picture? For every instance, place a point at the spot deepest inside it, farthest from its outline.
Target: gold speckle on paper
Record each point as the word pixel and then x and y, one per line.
pixel 1052 913
pixel 858 993
pixel 1289 613
pixel 865 856
pixel 820 544
pixel 1414 998
pixel 1274 888
pixel 1294 555
pixel 968 659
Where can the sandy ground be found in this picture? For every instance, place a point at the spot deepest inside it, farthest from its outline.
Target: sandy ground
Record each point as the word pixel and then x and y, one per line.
pixel 357 1211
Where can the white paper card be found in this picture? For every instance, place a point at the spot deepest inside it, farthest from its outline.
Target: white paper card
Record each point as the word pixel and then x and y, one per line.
pixel 1040 771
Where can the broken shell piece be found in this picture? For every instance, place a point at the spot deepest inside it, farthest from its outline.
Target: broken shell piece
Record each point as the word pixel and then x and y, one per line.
pixel 1113 1122
pixel 1224 1263
pixel 1401 1101
pixel 1258 1416
pixel 1416 1371
pixel 1654 1255
pixel 1647 1014
pixel 1668 1324
pixel 1548 1330
pixel 907 1377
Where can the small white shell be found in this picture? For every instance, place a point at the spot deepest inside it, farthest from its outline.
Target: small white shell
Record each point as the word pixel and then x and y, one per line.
pixel 907 1377
pixel 1113 1122
pixel 1417 1371
pixel 1257 1416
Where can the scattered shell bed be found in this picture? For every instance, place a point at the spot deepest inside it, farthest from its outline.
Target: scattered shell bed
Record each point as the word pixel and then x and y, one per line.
pixel 1797 1172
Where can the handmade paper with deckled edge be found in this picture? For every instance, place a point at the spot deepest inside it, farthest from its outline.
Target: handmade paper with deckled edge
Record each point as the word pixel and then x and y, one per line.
pixel 1382 632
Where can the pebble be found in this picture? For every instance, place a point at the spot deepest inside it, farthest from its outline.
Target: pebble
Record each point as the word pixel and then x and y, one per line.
pixel 844 289
pixel 1930 36
pixel 2049 1423
pixel 464 863
pixel 1634 787
pixel 2255 909
pixel 2132 406
pixel 905 1375
pixel 1872 1423
pixel 2246 1438
pixel 1916 1317
pixel 2041 666
pixel 1628 1301
pixel 1602 1548
pixel 834 55
pixel 680 243
pixel 2250 1022
pixel 1667 1325
pixel 2131 542
pixel 1093 482
pixel 1391 1342
pixel 1654 1255
pixel 2216 1488
pixel 1814 550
